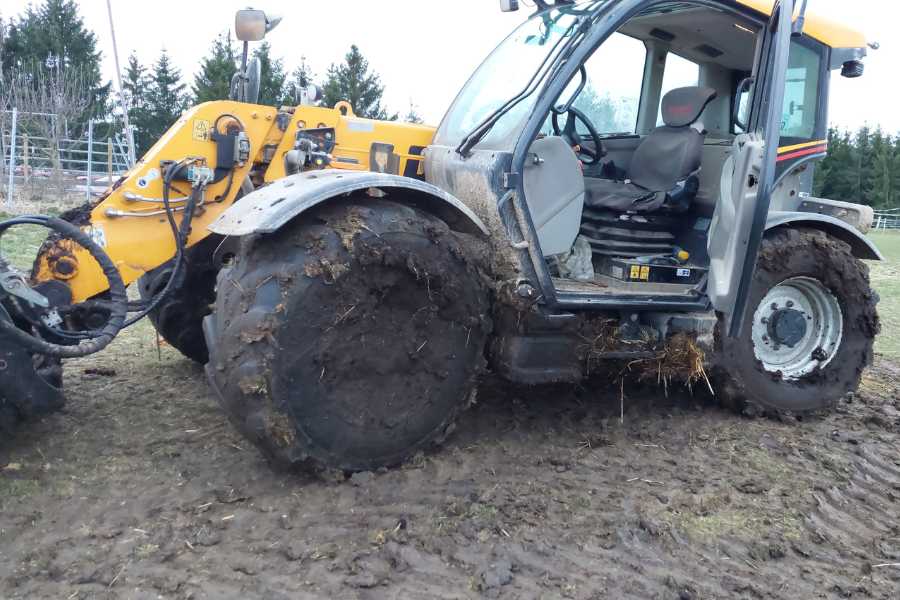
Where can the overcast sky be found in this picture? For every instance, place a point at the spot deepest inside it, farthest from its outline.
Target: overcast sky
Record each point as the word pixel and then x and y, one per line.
pixel 426 49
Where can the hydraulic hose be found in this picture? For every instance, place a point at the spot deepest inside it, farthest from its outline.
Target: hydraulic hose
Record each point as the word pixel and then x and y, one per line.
pixel 118 304
pixel 96 340
pixel 181 234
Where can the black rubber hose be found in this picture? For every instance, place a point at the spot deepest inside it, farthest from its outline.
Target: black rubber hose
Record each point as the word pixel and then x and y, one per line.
pixel 117 294
pixel 181 234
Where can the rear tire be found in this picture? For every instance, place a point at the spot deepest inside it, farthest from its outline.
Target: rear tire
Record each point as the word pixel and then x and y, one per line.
pixel 351 339
pixel 824 282
pixel 179 317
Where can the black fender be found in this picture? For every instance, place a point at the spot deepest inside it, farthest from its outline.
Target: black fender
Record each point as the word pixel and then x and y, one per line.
pixel 272 207
pixel 861 246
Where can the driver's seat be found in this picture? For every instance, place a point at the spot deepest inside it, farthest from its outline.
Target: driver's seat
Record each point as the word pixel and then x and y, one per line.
pixel 663 170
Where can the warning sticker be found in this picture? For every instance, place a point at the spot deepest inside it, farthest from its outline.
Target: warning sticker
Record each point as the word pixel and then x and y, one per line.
pixel 635 272
pixel 645 273
pixel 97 234
pixel 201 130
pixel 684 273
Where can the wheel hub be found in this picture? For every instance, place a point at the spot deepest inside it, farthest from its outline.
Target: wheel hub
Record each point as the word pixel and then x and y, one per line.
pixel 787 326
pixel 797 328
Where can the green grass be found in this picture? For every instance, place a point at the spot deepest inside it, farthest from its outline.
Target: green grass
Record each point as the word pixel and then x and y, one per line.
pixel 886 281
pixel 19 245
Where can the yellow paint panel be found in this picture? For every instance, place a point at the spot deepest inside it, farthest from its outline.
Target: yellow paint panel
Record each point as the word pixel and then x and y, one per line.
pixel 139 244
pixel 831 33
pixel 354 136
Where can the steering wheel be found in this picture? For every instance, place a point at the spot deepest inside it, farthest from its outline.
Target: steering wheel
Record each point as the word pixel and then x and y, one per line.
pixel 570 134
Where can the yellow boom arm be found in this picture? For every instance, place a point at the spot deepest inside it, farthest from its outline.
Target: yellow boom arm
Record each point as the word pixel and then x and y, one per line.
pixel 130 223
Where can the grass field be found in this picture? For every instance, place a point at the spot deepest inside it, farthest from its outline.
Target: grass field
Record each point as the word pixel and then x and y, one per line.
pixel 20 244
pixel 886 280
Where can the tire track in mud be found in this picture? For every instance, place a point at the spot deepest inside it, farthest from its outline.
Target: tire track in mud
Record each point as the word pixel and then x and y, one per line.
pixel 540 494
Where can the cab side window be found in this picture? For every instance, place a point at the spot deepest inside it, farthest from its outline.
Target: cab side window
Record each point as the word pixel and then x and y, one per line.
pixel 801 93
pixel 612 95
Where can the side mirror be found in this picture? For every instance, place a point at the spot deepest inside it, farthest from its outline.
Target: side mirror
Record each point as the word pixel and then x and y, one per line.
pixel 251 25
pixel 742 88
pixel 509 5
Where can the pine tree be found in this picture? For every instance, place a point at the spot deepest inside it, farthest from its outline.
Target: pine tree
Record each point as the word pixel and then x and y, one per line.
pixel 863 166
pixel 135 86
pixel 134 83
pixel 213 82
pixel 413 115
pixel 881 170
pixel 836 174
pixel 4 31
pixel 272 76
pixel 352 81
pixel 52 35
pixel 301 78
pixel 165 99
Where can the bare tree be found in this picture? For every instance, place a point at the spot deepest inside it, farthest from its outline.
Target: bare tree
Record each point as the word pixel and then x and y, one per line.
pixel 47 99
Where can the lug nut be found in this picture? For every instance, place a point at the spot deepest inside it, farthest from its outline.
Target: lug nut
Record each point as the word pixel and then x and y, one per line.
pixel 790 304
pixel 774 306
pixel 525 290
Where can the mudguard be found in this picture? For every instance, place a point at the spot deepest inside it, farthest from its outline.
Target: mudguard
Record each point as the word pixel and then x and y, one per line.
pixel 272 207
pixel 860 245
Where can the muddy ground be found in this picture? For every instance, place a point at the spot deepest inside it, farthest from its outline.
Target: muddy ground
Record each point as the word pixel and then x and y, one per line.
pixel 141 489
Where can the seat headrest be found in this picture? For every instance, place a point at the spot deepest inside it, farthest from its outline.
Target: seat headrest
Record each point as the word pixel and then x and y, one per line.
pixel 683 106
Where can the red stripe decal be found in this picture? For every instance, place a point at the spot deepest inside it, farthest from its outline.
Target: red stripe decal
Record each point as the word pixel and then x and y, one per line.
pixel 805 152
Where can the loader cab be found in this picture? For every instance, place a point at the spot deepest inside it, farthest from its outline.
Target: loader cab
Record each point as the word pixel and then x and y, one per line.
pixel 626 122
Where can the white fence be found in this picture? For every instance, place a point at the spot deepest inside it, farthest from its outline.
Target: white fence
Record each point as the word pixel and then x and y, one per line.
pixel 886 220
pixel 86 165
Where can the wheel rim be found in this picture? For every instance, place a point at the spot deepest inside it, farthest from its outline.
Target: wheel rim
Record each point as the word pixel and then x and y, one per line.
pixel 797 328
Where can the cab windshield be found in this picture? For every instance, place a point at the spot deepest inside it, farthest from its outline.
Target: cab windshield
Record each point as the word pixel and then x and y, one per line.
pixel 516 67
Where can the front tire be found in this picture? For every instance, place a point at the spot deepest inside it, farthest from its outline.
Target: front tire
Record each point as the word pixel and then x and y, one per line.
pixel 351 339
pixel 810 329
pixel 179 317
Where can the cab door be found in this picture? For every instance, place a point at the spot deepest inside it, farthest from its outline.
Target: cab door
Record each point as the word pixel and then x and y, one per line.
pixel 748 178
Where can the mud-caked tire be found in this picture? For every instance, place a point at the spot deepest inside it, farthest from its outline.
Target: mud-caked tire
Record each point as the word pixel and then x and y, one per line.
pixel 30 387
pixel 808 289
pixel 179 317
pixel 351 339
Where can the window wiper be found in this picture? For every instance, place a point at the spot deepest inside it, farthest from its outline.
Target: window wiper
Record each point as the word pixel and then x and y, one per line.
pixel 483 128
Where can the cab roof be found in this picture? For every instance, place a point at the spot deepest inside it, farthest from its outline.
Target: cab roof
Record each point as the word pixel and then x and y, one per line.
pixel 831 33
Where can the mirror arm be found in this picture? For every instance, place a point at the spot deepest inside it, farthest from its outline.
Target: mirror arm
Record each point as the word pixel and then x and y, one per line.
pixel 242 75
